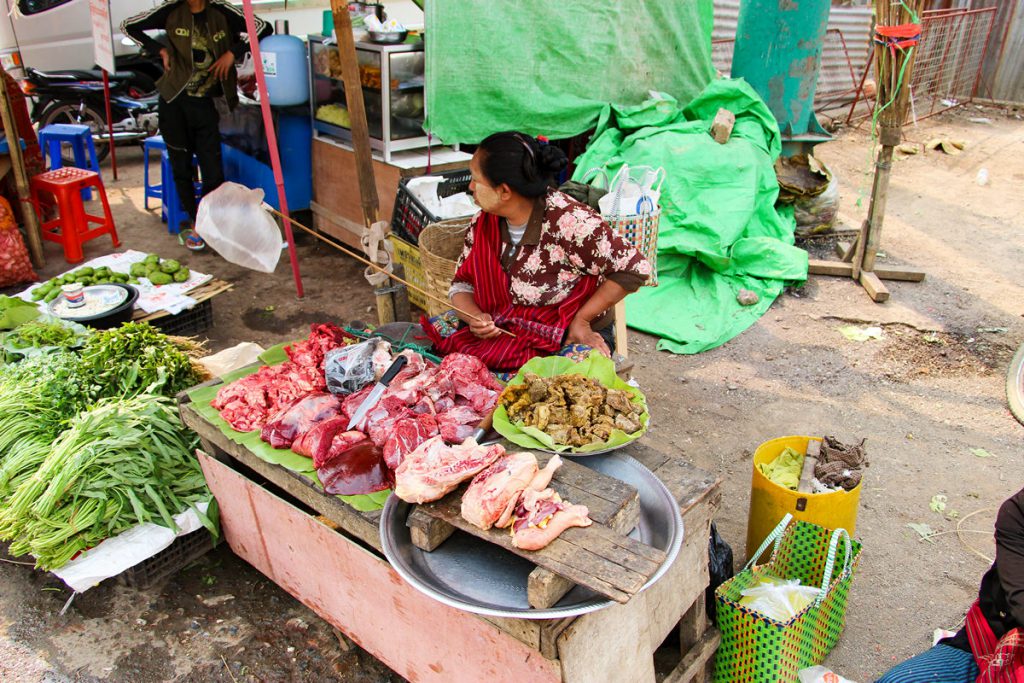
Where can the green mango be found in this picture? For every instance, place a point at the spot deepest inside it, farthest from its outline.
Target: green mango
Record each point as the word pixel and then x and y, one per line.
pixel 39 292
pixel 182 274
pixel 138 269
pixel 54 293
pixel 170 266
pixel 152 258
pixel 159 278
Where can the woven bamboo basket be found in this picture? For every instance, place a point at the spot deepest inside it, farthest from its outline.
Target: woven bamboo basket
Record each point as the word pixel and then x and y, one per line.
pixel 440 246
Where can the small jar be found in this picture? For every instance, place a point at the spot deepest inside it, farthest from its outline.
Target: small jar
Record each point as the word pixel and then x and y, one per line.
pixel 74 294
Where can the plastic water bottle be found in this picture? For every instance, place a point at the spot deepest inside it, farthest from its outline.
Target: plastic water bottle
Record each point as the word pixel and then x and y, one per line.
pixel 982 177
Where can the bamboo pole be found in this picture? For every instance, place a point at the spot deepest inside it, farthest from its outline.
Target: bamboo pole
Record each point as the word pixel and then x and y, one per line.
pixel 21 180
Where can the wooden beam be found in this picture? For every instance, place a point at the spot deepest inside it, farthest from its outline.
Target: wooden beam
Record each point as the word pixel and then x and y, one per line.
pixel 356 109
pixel 873 286
pixel 840 269
pixel 28 212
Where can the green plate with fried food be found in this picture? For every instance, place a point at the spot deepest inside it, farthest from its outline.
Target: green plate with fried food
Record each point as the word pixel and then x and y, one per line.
pixel 557 405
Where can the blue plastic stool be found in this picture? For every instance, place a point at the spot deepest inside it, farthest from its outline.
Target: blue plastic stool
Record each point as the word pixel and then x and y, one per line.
pixel 53 137
pixel 152 190
pixel 173 212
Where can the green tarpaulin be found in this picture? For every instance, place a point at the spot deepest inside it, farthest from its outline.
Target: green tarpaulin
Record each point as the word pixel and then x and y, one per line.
pixel 549 68
pixel 720 230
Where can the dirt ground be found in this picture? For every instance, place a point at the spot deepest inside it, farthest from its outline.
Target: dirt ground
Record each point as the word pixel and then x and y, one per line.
pixel 924 395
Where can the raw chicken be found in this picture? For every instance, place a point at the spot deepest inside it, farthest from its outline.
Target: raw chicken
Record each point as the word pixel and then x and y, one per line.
pixel 434 468
pixel 493 495
pixel 542 516
pixel 298 418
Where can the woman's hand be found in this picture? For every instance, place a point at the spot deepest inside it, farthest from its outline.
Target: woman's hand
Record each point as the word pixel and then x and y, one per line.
pixel 580 332
pixel 223 65
pixel 483 326
pixel 165 57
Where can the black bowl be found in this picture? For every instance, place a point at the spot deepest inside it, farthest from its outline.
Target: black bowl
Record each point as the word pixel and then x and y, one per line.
pixel 121 313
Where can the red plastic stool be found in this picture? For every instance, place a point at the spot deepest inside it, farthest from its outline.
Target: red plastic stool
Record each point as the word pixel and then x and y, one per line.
pixel 71 227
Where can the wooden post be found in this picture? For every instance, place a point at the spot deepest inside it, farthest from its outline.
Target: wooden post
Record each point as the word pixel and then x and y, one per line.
pixel 35 240
pixel 621 337
pixel 876 210
pixel 356 110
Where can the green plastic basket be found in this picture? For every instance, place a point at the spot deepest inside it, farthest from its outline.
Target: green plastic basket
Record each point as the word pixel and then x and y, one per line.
pixel 757 649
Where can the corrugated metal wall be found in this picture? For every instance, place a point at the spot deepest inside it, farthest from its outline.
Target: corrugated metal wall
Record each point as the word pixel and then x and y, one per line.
pixel 835 79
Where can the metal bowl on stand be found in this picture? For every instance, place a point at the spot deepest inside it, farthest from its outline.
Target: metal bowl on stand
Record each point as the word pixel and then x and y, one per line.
pixel 389 38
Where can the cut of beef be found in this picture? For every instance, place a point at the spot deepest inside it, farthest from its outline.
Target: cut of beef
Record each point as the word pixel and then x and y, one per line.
pixel 288 423
pixel 247 403
pixel 354 468
pixel 458 423
pixel 405 435
pixel 467 377
pixel 322 338
pixel 434 469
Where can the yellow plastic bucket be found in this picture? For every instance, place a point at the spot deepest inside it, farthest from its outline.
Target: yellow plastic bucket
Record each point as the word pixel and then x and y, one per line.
pixel 770 502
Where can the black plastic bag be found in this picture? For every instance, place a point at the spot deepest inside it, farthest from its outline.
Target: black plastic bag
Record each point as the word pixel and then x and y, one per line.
pixel 719 568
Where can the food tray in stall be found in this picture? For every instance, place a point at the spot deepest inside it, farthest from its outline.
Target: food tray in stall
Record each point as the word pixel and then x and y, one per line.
pixel 583 570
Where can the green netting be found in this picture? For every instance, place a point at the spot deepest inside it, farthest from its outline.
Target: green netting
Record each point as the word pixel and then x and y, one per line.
pixel 720 230
pixel 548 68
pixel 756 649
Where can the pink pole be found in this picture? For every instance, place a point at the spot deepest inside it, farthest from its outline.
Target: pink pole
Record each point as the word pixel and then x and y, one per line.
pixel 275 157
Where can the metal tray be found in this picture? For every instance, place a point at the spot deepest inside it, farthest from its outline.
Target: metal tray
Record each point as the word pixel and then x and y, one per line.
pixel 471 574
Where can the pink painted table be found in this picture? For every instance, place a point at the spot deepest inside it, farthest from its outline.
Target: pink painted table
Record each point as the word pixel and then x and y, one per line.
pixel 328 556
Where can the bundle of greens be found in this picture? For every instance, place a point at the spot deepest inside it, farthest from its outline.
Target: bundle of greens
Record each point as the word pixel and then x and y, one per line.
pixel 38 398
pixel 136 358
pixel 43 335
pixel 124 462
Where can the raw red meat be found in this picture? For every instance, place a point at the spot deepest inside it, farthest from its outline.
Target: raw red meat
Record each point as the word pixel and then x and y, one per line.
pixel 458 423
pixel 354 468
pixel 320 434
pixel 331 439
pixel 322 338
pixel 541 516
pixel 467 377
pixel 288 423
pixel 405 435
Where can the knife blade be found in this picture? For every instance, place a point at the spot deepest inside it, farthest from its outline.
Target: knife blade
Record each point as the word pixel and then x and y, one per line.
pixel 378 389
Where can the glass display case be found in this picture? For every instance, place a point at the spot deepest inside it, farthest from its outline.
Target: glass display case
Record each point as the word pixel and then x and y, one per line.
pixel 392 87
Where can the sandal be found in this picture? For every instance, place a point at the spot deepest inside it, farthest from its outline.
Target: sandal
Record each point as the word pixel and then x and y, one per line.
pixel 190 240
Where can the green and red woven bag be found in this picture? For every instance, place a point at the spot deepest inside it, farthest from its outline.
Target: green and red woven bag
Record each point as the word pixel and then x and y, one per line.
pixel 758 649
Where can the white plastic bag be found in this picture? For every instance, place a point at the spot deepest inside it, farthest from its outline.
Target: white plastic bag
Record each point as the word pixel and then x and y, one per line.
pixel 820 674
pixel 778 599
pixel 633 191
pixel 231 219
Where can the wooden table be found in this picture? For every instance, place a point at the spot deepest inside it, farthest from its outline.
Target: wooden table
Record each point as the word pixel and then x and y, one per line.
pixel 328 556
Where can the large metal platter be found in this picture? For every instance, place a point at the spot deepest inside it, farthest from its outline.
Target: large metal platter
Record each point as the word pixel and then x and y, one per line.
pixel 471 574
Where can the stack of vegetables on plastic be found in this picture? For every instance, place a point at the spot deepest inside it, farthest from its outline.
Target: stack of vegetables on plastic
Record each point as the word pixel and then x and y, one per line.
pixel 90 442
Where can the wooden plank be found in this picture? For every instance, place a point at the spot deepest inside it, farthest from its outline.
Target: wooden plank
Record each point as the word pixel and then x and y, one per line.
pixel 844 250
pixel 834 268
pixel 336 226
pixel 427 532
pixel 336 185
pixel 873 286
pixel 621 336
pixel 359 525
pixel 567 556
pixel 358 593
pixel 694 664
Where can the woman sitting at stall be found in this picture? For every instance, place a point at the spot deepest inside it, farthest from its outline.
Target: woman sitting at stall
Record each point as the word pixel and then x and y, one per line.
pixel 536 263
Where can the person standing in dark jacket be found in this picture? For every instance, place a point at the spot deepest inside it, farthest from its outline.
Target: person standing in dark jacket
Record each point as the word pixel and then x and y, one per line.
pixel 990 647
pixel 204 39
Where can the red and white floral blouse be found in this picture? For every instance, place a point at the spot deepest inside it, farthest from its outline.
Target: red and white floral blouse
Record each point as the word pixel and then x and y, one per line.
pixel 564 241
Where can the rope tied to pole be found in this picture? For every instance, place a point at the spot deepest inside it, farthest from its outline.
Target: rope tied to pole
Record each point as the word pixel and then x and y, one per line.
pixel 379 250
pixel 898 37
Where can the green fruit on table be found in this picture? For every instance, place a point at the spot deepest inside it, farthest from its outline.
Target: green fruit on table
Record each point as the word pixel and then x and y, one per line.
pixel 138 269
pixel 170 266
pixel 54 293
pixel 159 278
pixel 182 275
pixel 152 258
pixel 86 271
pixel 39 292
pixel 133 281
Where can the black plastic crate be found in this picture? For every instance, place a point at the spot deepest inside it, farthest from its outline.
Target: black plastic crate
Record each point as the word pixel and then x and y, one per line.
pixel 182 552
pixel 189 322
pixel 410 216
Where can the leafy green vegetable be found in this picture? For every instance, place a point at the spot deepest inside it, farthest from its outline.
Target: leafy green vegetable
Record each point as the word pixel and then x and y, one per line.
pixel 14 312
pixel 136 358
pixel 42 335
pixel 595 365
pixel 122 463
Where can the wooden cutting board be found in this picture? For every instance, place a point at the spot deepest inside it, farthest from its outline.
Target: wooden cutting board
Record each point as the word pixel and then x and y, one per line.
pixel 599 557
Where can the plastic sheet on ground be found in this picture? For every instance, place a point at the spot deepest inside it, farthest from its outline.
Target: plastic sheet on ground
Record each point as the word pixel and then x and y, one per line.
pixel 124 551
pixel 549 68
pixel 720 231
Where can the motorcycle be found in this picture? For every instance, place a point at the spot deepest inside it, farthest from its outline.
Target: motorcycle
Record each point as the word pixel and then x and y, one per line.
pixel 77 97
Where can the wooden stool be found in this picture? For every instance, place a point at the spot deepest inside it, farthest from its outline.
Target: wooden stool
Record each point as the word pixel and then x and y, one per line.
pixel 71 226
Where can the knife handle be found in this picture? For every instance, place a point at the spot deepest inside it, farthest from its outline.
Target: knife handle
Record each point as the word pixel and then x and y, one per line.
pixel 395 367
pixel 485 426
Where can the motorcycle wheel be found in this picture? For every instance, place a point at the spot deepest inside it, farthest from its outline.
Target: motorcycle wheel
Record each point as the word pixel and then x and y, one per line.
pixel 1015 385
pixel 85 115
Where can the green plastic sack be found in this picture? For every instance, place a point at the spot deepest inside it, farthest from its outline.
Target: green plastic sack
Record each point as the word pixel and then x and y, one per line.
pixel 596 366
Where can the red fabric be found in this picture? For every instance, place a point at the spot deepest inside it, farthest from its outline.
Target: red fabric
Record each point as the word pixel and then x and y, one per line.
pixel 1000 661
pixel 900 36
pixel 539 330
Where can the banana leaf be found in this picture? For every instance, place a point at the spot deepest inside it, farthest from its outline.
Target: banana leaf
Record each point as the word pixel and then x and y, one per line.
pixel 596 366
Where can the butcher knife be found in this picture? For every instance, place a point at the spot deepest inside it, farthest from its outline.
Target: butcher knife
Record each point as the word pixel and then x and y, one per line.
pixel 485 426
pixel 371 399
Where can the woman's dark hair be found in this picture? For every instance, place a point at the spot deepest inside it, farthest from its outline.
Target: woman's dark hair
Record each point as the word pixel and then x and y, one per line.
pixel 521 162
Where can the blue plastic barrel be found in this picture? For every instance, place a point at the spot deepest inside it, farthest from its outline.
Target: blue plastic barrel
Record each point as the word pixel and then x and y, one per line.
pixel 286 69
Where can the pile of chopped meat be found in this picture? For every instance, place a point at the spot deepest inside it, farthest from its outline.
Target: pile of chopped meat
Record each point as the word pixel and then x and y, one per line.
pixel 514 493
pixel 424 402
pixel 434 468
pixel 572 409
